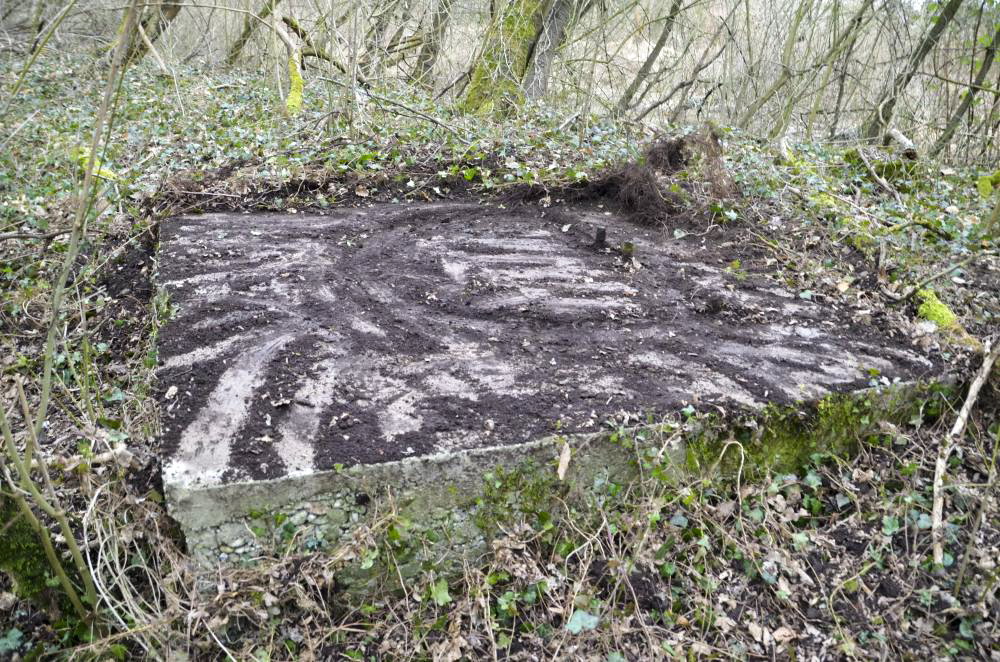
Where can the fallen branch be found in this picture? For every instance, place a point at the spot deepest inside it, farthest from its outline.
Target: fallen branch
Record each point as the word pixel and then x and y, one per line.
pixel 948 445
pixel 31 235
pixel 947 236
pixel 909 149
pixel 879 179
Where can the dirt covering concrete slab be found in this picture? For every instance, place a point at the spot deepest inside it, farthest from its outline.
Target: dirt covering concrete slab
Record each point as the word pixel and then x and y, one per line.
pixel 304 345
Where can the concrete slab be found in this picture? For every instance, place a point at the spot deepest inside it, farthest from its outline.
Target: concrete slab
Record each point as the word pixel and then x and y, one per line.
pixel 306 347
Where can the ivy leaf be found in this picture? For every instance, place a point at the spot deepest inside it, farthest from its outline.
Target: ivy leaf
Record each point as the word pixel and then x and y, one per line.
pixel 439 593
pixel 11 641
pixel 580 621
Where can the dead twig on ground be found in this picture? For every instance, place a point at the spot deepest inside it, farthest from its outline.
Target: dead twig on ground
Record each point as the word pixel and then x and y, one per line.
pixel 900 298
pixel 948 445
pixel 32 235
pixel 879 179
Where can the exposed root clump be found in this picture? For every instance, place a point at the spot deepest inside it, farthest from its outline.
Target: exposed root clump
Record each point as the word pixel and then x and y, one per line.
pixel 671 177
pixel 639 190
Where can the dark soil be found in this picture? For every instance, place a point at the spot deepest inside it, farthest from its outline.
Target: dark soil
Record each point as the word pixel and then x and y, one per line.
pixel 575 362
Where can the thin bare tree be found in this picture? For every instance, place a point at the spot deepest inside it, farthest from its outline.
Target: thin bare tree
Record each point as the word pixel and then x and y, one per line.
pixel 969 97
pixel 881 114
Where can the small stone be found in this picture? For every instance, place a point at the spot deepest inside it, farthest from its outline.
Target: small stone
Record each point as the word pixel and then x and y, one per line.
pixel 239 542
pixel 299 518
pixel 336 518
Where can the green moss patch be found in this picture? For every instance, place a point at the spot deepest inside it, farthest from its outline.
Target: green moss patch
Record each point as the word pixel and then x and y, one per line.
pixel 784 439
pixel 22 557
pixel 889 169
pixel 931 308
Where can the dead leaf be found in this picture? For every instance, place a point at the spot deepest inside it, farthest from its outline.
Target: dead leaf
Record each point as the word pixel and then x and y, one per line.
pixel 725 509
pixel 700 648
pixel 448 650
pixel 361 191
pixel 724 623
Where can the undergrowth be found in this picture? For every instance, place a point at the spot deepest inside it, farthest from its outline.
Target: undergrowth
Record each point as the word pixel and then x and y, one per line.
pixel 831 559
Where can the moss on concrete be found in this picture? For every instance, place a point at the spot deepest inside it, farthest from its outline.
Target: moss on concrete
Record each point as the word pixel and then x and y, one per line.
pixel 419 518
pixel 510 493
pixel 784 439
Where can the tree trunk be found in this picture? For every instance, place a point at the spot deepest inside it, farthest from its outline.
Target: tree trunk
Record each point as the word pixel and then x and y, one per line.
pixel 495 85
pixel 374 38
pixel 423 69
pixel 841 82
pixel 843 41
pixel 37 22
pixel 882 113
pixel 249 27
pixel 536 82
pixel 970 95
pixel 154 25
pixel 647 66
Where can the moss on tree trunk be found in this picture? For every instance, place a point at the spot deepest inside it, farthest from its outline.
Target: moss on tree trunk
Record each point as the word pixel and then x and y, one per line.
pixel 495 87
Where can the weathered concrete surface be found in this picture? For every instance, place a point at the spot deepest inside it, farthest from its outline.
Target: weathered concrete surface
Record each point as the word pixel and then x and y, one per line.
pixel 306 349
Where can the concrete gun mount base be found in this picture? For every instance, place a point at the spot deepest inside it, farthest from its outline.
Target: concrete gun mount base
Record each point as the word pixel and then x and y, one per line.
pixel 315 366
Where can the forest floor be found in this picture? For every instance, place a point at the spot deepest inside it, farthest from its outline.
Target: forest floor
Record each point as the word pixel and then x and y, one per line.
pixel 831 561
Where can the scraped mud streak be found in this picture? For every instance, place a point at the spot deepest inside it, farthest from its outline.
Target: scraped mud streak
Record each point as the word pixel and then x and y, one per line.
pixel 303 343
